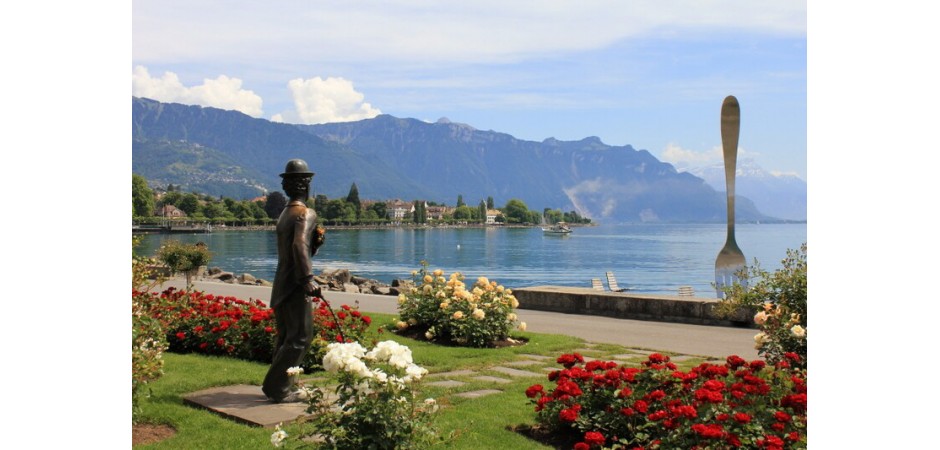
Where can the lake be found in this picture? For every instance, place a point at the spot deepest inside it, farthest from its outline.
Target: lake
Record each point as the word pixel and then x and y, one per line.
pixel 650 258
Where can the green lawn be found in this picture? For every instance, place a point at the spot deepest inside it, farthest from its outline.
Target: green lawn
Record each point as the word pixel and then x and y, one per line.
pixel 479 423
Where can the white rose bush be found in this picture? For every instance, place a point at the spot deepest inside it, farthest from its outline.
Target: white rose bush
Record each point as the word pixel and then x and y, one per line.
pixel 447 310
pixel 376 405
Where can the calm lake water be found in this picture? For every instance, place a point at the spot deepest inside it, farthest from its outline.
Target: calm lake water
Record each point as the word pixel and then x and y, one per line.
pixel 646 258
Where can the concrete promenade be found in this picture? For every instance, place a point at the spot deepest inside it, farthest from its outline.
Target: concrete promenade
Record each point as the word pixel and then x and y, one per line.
pixel 699 340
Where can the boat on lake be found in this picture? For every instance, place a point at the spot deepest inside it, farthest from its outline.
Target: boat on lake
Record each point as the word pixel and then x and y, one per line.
pixel 558 228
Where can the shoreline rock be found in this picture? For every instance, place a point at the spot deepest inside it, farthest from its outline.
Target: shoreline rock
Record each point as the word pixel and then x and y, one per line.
pixel 340 280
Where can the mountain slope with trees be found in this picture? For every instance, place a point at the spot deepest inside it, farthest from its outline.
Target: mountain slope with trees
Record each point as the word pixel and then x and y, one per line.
pixel 387 157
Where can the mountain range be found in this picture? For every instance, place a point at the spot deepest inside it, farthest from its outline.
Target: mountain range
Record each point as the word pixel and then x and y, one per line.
pixel 229 153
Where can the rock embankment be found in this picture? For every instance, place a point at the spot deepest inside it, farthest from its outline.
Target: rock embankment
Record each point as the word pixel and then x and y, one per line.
pixel 334 280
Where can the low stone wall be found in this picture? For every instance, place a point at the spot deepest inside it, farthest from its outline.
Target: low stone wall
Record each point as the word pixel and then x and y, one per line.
pixel 626 305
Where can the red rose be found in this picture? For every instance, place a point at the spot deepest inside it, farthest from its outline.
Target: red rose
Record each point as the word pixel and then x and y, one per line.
pixel 742 417
pixel 534 390
pixel 581 446
pixel 640 406
pixel 735 361
pixel 181 335
pixel 781 416
pixel 594 438
pixel 568 415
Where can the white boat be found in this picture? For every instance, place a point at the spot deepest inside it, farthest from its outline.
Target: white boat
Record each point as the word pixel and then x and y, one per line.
pixel 558 228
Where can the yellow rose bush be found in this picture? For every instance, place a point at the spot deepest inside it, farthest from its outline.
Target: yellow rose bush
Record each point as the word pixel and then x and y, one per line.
pixel 448 310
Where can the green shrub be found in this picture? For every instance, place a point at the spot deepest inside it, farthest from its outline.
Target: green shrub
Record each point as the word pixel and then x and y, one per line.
pixel 779 303
pixel 147 339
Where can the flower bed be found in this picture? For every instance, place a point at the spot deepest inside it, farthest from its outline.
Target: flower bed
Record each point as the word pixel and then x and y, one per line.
pixel 217 325
pixel 738 404
pixel 446 310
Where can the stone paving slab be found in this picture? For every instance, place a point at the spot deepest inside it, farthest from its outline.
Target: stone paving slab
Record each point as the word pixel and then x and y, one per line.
pixel 246 404
pixel 453 373
pixel 630 356
pixel 523 363
pixel 492 379
pixel 516 372
pixel 477 394
pixel 538 357
pixel 446 383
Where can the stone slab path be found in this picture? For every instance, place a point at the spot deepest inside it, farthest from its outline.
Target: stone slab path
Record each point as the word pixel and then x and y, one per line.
pixel 247 404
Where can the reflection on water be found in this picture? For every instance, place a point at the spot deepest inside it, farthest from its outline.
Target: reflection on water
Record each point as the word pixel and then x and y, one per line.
pixel 646 258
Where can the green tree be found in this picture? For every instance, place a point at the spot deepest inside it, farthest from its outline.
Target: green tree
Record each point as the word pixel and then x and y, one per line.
pixel 460 201
pixel 463 212
pixel 215 210
pixel 516 211
pixel 319 204
pixel 171 198
pixel 381 210
pixel 257 210
pixel 274 203
pixel 421 212
pixel 353 198
pixel 189 203
pixel 184 258
pixel 481 211
pixel 141 196
pixel 489 203
pixel 335 210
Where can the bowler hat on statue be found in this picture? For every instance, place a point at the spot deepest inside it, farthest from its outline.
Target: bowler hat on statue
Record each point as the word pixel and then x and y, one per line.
pixel 297 167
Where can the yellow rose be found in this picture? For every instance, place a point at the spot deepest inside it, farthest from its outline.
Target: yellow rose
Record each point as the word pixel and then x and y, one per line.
pixel 401 325
pixel 401 299
pixel 444 305
pixel 428 279
pixel 440 280
pixel 478 314
pixel 482 281
pixel 522 326
pixel 760 318
pixel 458 315
pixel 511 317
pixel 428 288
pixel 515 303
pixel 500 289
pixel 438 272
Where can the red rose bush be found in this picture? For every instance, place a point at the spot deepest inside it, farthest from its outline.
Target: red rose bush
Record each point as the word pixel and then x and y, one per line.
pixel 219 325
pixel 739 404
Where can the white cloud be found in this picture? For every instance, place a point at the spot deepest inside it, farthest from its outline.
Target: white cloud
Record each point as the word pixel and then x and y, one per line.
pixel 681 157
pixel 318 100
pixel 421 31
pixel 223 92
pixel 685 159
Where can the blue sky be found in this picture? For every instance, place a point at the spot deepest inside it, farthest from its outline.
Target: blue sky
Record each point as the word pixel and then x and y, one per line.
pixel 645 73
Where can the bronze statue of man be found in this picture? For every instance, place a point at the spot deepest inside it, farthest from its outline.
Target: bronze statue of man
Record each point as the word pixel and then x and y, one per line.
pixel 293 283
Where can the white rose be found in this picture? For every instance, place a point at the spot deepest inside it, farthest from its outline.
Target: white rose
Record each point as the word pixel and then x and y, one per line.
pixel 798 331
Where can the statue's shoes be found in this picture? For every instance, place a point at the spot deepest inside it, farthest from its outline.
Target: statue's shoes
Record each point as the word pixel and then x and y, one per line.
pixel 296 396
